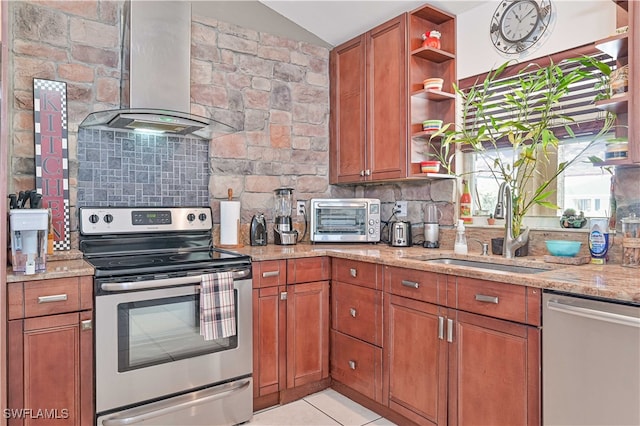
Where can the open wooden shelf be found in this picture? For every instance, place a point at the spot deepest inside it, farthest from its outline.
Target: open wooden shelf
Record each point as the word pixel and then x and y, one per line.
pixel 433 55
pixel 616 46
pixel 434 95
pixel 617 105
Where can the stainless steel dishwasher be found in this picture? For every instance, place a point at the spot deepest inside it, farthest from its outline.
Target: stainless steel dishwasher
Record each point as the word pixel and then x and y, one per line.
pixel 590 361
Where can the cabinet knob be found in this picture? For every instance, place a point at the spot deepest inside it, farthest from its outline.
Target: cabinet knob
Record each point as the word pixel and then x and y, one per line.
pixel 353 312
pixel 353 272
pixel 86 325
pixel 283 295
pixel 367 172
pixel 362 173
pixel 352 364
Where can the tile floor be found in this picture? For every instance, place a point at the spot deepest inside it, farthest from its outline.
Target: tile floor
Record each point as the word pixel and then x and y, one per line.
pixel 324 408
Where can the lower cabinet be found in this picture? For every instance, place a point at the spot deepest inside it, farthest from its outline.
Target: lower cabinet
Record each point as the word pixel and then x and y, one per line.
pixel 291 329
pixel 455 367
pixel 50 356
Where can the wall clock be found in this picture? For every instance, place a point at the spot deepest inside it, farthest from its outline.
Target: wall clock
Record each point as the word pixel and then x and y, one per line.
pixel 518 25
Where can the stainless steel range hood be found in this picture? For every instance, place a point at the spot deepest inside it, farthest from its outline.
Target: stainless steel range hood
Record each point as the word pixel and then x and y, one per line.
pixel 156 87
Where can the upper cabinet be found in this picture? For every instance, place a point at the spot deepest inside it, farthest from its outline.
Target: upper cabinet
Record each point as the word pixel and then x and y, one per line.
pixel 369 106
pixel 378 101
pixel 623 48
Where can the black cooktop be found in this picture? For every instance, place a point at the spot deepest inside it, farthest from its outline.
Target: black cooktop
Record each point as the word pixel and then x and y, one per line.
pixel 166 262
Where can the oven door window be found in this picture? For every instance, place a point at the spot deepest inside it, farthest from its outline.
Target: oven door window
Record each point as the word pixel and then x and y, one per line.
pixel 341 221
pixel 152 332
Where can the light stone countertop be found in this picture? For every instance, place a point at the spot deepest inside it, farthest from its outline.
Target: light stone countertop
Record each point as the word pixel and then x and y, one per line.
pixel 606 281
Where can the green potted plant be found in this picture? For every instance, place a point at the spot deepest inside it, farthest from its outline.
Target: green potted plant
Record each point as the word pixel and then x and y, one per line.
pixel 528 129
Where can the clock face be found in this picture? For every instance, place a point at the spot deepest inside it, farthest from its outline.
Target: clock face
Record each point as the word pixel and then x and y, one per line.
pixel 518 25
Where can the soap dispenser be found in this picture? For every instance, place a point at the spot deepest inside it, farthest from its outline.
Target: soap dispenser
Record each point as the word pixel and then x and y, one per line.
pixel 460 246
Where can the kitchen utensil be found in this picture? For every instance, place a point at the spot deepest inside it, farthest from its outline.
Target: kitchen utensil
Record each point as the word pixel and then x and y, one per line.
pixel 400 234
pixel 283 231
pixel 13 201
pixel 230 221
pixel 258 232
pixel 563 248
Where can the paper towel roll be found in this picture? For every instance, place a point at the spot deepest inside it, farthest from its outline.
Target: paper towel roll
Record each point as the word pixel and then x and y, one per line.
pixel 229 222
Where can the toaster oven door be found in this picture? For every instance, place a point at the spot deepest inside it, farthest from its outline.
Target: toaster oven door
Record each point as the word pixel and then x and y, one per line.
pixel 340 222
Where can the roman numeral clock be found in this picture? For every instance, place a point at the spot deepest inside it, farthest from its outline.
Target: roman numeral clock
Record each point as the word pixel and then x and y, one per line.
pixel 519 25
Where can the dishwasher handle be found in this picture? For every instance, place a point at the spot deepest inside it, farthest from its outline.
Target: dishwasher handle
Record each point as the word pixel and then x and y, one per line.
pixel 593 314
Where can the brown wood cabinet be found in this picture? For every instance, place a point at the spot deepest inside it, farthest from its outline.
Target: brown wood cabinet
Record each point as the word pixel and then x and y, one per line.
pixel 624 49
pixel 477 360
pixel 50 357
pixel 356 327
pixel 378 101
pixel 291 329
pixel 369 92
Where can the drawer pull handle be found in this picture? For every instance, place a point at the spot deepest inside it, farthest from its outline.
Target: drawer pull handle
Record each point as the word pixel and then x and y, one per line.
pixel 353 312
pixel 411 284
pixel 352 364
pixel 52 298
pixel 270 274
pixel 449 330
pixel 86 325
pixel 353 272
pixel 488 299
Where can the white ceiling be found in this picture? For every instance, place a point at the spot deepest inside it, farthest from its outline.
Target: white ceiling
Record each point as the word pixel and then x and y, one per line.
pixel 336 21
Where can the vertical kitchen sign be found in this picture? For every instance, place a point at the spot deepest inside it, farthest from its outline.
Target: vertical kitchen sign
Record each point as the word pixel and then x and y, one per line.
pixel 52 155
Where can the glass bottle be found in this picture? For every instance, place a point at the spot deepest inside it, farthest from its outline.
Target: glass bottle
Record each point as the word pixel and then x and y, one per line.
pixel 465 203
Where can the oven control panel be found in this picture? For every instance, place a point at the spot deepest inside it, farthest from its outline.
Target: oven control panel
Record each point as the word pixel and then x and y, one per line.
pixel 126 220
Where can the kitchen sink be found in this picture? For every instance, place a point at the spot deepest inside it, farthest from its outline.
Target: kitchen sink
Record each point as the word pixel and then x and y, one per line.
pixel 486 265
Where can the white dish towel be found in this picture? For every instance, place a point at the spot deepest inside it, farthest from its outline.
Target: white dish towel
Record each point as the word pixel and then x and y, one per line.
pixel 217 306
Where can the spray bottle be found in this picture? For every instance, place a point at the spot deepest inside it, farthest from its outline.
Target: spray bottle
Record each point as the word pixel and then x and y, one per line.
pixel 460 246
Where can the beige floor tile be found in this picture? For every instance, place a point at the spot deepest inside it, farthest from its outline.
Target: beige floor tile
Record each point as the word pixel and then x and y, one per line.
pixel 297 413
pixel 341 408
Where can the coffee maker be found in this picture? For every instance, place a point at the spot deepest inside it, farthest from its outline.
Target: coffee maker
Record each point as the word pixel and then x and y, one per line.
pixel 283 232
pixel 432 227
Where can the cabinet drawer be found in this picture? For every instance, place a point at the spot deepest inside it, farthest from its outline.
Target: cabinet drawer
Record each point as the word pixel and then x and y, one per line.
pixel 47 297
pixel 358 273
pixel 269 273
pixel 357 364
pixel 498 300
pixel 309 269
pixel 357 311
pixel 419 285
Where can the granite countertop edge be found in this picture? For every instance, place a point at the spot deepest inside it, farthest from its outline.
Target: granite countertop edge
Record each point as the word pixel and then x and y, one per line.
pixel 613 282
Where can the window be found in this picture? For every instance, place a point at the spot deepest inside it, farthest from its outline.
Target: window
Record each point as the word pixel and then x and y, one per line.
pixel 582 186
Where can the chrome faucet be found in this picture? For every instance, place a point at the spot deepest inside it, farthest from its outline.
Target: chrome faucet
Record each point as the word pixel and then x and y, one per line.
pixel 504 210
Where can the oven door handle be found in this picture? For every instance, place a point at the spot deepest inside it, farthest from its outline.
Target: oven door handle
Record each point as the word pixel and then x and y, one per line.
pixel 164 282
pixel 171 405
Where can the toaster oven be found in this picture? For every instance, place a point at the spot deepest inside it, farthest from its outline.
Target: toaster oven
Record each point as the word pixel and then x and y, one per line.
pixel 347 220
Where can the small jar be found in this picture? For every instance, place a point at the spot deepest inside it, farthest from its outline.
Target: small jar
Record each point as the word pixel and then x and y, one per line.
pixel 431 39
pixel 631 241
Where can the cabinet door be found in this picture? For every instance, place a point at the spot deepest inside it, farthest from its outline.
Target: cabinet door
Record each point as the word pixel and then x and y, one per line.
pixel 269 334
pixel 387 125
pixel 307 333
pixel 494 368
pixel 417 354
pixel 347 143
pixel 50 369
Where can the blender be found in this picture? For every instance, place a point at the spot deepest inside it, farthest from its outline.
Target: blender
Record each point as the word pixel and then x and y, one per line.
pixel 283 232
pixel 432 227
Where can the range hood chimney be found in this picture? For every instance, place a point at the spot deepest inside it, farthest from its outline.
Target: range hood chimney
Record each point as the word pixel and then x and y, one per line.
pixel 156 85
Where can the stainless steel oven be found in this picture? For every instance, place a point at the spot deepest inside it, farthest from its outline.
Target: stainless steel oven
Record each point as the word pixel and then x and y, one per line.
pixel 152 365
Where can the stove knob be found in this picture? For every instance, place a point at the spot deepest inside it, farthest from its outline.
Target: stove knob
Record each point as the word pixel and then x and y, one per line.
pixel 108 218
pixel 94 218
pixel 191 217
pixel 202 217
